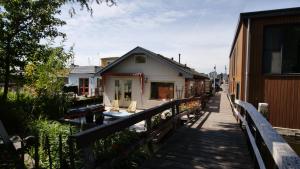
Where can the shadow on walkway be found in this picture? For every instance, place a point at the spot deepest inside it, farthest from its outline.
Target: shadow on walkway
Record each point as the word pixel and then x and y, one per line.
pixel 214 104
pixel 220 143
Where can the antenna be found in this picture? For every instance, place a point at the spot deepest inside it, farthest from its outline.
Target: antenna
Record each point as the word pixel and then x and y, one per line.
pixel 72 60
pixel 89 61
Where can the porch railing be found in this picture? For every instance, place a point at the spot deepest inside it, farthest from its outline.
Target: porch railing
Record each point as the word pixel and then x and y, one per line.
pixel 268 147
pixel 85 140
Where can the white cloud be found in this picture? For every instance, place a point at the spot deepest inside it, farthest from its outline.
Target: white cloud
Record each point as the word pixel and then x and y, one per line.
pixel 202 31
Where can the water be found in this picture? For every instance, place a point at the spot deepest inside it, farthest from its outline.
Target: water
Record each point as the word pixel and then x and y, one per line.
pixel 294 142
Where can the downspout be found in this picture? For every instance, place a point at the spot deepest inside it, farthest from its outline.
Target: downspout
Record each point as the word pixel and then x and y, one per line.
pixel 247 61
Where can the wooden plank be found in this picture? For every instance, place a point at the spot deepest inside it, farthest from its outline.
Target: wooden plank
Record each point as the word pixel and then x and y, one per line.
pixel 220 143
pixel 283 155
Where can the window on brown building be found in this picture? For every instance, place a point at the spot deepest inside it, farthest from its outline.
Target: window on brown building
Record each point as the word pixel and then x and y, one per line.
pixel 281 54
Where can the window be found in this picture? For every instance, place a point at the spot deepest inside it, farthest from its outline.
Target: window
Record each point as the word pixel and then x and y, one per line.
pixel 83 86
pixel 117 90
pixel 237 91
pixel 281 53
pixel 140 59
pixel 161 90
pixel 99 82
pixel 127 90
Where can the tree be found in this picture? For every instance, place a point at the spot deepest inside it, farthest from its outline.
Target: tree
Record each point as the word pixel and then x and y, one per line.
pixel 23 24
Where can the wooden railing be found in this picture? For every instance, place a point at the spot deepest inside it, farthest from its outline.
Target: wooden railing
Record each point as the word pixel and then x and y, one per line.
pixel 268 147
pixel 84 140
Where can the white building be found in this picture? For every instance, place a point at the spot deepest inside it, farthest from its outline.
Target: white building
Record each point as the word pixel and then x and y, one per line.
pixel 148 78
pixel 84 78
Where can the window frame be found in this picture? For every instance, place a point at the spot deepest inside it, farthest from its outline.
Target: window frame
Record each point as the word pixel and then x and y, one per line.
pixel 173 85
pixel 270 74
pixel 136 56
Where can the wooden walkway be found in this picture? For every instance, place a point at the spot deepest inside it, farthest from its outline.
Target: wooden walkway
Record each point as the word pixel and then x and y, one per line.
pixel 219 143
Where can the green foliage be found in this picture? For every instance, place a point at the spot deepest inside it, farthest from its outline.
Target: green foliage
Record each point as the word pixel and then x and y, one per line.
pixel 116 147
pixel 15 113
pixel 52 130
pixel 44 78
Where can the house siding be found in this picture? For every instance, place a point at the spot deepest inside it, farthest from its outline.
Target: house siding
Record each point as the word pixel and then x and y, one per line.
pixel 282 92
pixel 154 71
pixel 237 64
pixel 74 80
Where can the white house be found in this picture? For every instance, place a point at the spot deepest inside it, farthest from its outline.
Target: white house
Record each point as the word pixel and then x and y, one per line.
pixel 84 77
pixel 148 78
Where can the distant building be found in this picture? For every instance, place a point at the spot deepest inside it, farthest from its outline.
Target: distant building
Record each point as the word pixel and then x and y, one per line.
pixel 265 63
pixel 84 78
pixel 108 60
pixel 148 78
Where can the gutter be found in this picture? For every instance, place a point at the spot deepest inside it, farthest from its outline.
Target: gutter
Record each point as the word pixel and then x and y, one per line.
pixel 247 60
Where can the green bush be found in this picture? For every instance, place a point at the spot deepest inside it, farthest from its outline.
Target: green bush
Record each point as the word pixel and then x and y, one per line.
pixel 23 107
pixel 51 129
pixel 16 113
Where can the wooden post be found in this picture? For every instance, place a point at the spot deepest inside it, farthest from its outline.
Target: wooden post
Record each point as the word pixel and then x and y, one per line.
pixel 173 116
pixel 89 158
pixel 36 153
pixel 263 108
pixel 71 153
pixel 149 128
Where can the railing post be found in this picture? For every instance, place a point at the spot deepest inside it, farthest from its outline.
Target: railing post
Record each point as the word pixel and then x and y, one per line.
pixel 149 128
pixel 36 153
pixel 174 115
pixel 71 153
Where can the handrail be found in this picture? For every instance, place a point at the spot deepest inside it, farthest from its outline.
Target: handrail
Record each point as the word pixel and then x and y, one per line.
pixel 84 140
pixel 283 155
pixel 89 136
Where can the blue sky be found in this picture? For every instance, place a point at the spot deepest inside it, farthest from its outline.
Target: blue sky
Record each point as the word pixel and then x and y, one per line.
pixel 201 30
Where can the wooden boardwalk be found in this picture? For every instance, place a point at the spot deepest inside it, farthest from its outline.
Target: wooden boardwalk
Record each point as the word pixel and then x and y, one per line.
pixel 219 143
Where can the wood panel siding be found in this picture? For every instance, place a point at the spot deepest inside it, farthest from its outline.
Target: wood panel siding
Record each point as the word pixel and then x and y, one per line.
pixel 283 95
pixel 282 92
pixel 237 64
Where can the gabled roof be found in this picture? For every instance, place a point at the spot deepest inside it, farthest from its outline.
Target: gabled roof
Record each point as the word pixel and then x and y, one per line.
pixel 260 14
pixel 186 71
pixel 85 69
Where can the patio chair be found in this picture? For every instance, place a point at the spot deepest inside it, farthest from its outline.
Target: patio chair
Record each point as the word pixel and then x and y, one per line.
pixel 132 107
pixel 15 147
pixel 115 105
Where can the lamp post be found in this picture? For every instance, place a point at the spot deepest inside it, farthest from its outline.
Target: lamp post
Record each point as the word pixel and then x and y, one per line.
pixel 214 76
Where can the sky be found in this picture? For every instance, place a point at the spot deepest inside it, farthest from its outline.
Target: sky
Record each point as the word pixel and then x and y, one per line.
pixel 201 31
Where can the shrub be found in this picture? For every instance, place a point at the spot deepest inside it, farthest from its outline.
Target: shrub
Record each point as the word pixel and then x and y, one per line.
pixel 51 129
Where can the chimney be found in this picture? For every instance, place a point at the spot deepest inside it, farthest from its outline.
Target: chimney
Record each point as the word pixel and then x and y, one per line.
pixel 184 65
pixel 172 58
pixel 179 57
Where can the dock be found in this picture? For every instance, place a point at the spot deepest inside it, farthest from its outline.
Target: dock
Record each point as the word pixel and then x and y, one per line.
pixel 218 143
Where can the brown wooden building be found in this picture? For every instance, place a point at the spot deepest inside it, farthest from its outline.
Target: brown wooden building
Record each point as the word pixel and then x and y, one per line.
pixel 265 63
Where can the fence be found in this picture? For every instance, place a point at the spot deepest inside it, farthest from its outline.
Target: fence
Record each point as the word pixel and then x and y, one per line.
pixel 268 147
pixel 84 144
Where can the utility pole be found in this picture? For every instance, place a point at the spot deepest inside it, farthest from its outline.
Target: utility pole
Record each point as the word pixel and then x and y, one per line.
pixel 214 76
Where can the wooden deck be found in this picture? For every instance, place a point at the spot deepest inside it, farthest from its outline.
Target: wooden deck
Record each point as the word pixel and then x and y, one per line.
pixel 219 143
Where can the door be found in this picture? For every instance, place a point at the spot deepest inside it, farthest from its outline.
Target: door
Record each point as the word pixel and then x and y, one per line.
pixel 123 91
pixel 83 86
